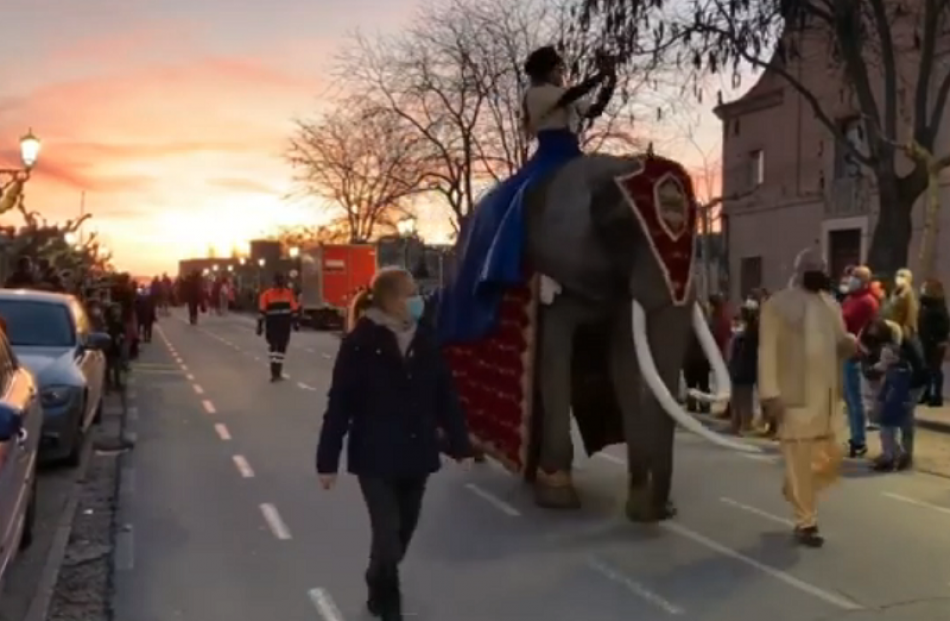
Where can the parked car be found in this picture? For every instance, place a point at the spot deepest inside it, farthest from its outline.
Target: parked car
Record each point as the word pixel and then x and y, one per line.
pixel 52 336
pixel 21 419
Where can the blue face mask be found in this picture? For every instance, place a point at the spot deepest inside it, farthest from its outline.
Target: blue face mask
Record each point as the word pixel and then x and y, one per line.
pixel 416 306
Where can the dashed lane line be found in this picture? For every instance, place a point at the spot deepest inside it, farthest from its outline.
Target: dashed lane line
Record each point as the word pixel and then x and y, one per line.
pixel 756 511
pixel 493 500
pixel 303 386
pixel 917 503
pixel 827 596
pixel 240 462
pixel 633 586
pixel 222 431
pixel 326 607
pixel 275 522
pixel 208 406
pixel 198 389
pixel 190 377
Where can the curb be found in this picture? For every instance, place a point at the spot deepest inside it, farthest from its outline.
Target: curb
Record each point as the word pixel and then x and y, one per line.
pixel 39 606
pixel 934 425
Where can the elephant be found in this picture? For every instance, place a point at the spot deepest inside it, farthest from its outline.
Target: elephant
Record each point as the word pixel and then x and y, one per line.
pixel 611 240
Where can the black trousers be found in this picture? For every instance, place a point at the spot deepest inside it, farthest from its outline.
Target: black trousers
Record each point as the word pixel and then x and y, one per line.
pixel 394 506
pixel 145 328
pixel 193 313
pixel 277 341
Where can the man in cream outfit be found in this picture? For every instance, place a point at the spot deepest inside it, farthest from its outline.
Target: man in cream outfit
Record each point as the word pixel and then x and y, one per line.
pixel 802 343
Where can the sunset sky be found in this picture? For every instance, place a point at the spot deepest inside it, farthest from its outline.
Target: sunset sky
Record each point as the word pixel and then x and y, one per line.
pixel 172 116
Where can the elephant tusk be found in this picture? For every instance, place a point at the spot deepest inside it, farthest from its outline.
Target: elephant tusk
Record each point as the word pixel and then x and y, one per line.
pixel 720 373
pixel 641 345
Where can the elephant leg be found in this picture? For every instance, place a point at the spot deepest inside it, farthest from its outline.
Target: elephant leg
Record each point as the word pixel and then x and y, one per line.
pixel 627 386
pixel 668 330
pixel 554 487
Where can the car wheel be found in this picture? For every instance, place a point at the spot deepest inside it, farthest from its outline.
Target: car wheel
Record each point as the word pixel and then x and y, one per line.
pixel 29 520
pixel 75 451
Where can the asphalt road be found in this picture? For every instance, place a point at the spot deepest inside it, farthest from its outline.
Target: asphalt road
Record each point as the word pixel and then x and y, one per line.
pixel 224 520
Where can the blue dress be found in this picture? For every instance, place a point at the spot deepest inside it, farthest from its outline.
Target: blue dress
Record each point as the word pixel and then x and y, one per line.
pixel 490 254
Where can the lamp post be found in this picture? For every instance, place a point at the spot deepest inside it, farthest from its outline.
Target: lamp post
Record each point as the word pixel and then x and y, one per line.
pixel 260 273
pixel 29 153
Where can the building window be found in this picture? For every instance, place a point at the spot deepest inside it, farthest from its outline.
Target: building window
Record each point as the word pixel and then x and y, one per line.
pixel 756 168
pixel 846 165
pixel 750 275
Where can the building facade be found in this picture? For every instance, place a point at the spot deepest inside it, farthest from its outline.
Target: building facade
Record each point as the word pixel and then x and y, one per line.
pixel 796 186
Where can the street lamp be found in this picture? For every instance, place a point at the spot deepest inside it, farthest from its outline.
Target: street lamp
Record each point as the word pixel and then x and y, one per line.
pixel 214 268
pixel 70 239
pixel 29 150
pixel 261 262
pixel 230 268
pixel 29 153
pixel 294 252
pixel 242 260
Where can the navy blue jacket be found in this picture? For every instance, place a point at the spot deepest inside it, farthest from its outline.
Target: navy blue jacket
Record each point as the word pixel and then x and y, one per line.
pixel 744 357
pixel 399 411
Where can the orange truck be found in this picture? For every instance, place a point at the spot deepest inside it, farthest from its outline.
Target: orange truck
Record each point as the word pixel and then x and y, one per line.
pixel 330 275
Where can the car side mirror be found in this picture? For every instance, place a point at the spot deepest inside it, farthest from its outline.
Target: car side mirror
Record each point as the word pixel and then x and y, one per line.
pixel 98 341
pixel 10 423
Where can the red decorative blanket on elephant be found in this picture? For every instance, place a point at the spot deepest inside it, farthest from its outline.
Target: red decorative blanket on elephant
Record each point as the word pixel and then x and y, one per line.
pixel 494 379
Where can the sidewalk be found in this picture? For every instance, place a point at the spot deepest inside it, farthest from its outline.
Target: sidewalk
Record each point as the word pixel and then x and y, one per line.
pixel 934 419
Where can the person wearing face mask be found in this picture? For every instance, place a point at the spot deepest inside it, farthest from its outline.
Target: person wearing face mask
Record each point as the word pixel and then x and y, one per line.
pixel 859 309
pixel 802 340
pixel 392 393
pixel 903 307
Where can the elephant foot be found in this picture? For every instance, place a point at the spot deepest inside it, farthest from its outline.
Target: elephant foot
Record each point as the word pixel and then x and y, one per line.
pixel 642 508
pixel 555 490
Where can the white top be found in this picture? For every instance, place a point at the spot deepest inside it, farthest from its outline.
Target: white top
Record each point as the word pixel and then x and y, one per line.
pixel 543 113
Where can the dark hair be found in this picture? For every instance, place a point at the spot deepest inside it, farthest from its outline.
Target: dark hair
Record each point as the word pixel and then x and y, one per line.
pixel 816 281
pixel 279 279
pixel 541 63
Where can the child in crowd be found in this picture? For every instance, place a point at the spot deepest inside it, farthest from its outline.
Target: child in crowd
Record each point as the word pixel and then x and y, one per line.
pixel 743 367
pixel 893 362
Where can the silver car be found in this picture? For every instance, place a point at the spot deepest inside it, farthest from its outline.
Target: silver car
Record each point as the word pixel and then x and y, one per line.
pixel 20 420
pixel 52 337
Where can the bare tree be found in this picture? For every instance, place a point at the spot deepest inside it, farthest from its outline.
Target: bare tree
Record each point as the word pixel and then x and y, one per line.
pixel 456 77
pixel 886 54
pixel 302 235
pixel 364 162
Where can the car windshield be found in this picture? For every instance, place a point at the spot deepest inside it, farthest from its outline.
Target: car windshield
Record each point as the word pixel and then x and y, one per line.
pixel 37 324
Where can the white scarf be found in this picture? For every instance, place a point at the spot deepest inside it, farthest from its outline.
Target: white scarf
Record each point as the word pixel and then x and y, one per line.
pixel 405 330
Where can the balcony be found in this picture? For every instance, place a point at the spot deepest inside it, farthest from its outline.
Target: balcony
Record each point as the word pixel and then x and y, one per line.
pixel 848 197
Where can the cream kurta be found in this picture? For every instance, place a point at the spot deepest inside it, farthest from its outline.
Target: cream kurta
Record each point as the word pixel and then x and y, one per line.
pixel 802 341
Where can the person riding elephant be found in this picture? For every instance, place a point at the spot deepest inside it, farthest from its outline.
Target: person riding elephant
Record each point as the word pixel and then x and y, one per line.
pixel 491 248
pixel 604 246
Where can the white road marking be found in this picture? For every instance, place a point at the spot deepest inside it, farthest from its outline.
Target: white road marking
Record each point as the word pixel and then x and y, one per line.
pixel 274 521
pixel 198 389
pixel 285 375
pixel 243 467
pixel 208 406
pixel 826 596
pixel 308 350
pixel 325 605
pixel 493 500
pixel 758 512
pixel 223 432
pixel 917 503
pixel 184 367
pixel 634 587
pixel 190 377
pixel 327 356
pixel 611 458
pixel 303 386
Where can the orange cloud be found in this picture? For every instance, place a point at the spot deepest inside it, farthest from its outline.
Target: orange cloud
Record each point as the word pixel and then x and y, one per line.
pixel 179 138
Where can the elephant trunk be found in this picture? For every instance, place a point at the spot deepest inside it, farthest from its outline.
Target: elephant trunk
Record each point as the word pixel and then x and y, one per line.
pixel 662 393
pixel 720 372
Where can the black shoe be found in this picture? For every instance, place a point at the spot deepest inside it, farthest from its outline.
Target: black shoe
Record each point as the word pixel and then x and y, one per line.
pixel 884 464
pixel 809 537
pixel 857 450
pixel 905 462
pixel 373 605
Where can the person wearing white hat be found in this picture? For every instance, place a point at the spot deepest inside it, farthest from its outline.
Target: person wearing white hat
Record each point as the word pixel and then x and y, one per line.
pixel 802 342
